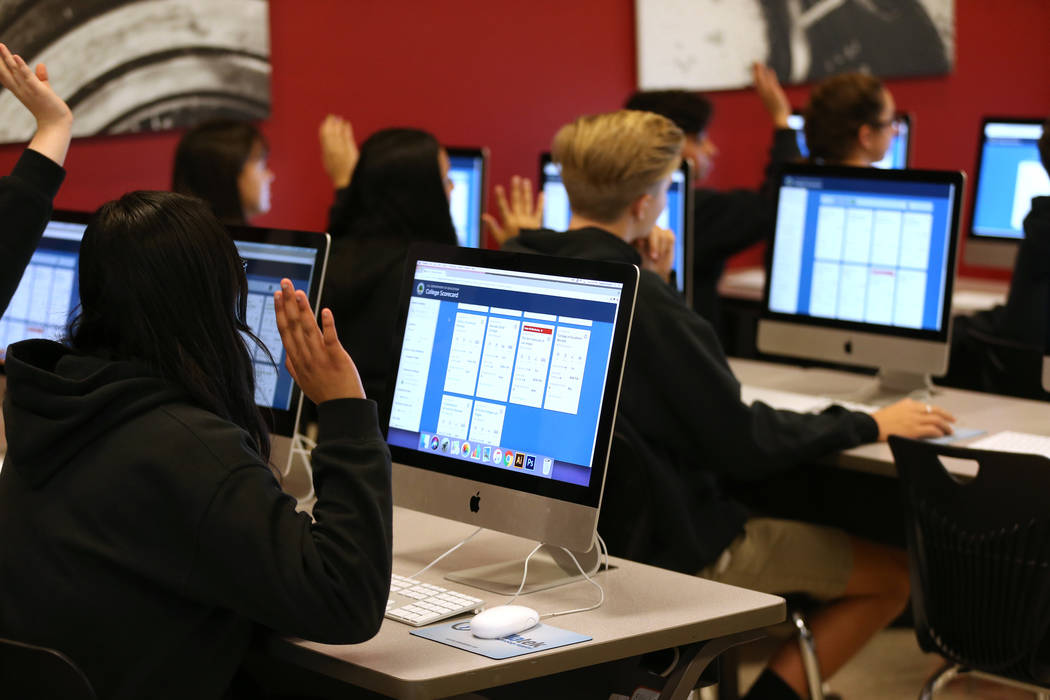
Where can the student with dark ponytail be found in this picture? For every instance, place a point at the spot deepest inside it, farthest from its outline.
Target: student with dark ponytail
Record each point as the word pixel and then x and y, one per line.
pixel 397 194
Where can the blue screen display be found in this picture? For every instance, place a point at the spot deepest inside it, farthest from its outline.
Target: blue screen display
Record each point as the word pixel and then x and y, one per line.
pixel 1011 174
pixel 467 176
pixel 861 250
pixel 506 371
pixel 557 213
pixel 49 291
pixel 265 265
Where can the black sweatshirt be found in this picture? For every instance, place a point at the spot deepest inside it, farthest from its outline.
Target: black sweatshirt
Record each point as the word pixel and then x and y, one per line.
pixel 145 538
pixel 725 223
pixel 681 404
pixel 25 207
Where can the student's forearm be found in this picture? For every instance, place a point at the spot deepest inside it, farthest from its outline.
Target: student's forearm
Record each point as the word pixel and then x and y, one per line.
pixel 52 140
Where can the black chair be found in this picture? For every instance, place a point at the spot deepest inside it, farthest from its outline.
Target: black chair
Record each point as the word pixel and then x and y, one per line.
pixel 29 671
pixel 979 554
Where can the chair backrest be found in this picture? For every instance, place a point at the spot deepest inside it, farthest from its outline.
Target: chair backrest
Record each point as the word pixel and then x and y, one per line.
pixel 29 671
pixel 979 555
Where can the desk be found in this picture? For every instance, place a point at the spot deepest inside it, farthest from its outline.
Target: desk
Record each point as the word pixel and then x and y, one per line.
pixel 968 296
pixel 971 409
pixel 645 609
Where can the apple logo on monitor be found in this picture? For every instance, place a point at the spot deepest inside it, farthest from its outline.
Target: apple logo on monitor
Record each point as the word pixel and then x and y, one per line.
pixel 475 502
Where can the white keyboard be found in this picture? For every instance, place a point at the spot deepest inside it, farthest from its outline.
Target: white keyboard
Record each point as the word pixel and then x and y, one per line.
pixel 416 603
pixel 1010 441
pixel 801 403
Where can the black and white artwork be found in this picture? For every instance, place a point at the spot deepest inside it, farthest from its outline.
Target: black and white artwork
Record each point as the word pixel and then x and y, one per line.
pixel 141 65
pixel 710 44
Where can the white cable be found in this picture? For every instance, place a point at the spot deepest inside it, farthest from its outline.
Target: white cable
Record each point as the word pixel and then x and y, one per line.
pixel 303 446
pixel 449 551
pixel 602 552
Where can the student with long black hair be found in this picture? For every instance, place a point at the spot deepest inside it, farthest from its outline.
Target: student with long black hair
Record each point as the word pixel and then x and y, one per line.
pixel 224 162
pixel 144 533
pixel 397 195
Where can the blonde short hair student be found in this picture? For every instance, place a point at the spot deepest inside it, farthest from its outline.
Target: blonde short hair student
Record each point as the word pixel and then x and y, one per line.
pixel 680 408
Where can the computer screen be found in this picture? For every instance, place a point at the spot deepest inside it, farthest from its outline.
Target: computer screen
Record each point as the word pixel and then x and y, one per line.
pixel 1009 173
pixel 49 291
pixel 506 387
pixel 270 255
pixel 862 267
pixel 896 157
pixel 677 216
pixel 467 170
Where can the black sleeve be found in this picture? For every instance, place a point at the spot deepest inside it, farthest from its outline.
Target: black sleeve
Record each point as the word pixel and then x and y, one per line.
pixel 725 223
pixel 1025 317
pixel 25 207
pixel 328 579
pixel 339 214
pixel 692 402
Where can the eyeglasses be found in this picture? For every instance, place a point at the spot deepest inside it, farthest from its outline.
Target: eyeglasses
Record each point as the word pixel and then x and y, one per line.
pixel 895 123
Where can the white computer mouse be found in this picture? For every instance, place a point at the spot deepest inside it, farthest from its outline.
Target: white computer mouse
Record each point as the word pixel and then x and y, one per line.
pixel 502 620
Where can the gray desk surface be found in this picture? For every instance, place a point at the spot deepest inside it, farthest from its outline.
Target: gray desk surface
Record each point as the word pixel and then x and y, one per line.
pixel 645 609
pixel 970 294
pixel 971 409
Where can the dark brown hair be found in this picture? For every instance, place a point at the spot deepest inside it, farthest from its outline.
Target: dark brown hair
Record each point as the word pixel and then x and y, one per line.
pixel 837 108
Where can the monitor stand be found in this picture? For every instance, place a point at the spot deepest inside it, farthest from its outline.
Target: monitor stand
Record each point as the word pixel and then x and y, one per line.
pixel 549 567
pixel 892 385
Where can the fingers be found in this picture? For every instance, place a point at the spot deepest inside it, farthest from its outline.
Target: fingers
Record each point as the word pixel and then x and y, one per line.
pixel 539 207
pixel 501 202
pixel 493 226
pixel 515 193
pixel 526 196
pixel 41 72
pixel 331 338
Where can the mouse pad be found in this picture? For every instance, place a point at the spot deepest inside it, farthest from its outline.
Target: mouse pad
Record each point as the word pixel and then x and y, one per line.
pixel 539 638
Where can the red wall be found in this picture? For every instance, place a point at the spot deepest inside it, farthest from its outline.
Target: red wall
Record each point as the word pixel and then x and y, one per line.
pixel 506 75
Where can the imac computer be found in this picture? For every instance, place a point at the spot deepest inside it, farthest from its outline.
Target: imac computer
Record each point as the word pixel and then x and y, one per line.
pixel 48 293
pixel 1009 174
pixel 862 270
pixel 896 157
pixel 507 377
pixel 269 255
pixel 468 171
pixel 677 216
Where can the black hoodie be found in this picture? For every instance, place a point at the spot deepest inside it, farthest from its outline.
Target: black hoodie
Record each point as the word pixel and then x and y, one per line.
pixel 680 407
pixel 144 537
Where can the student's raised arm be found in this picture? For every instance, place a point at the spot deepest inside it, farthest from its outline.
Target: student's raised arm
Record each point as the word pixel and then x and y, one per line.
pixel 517 214
pixel 26 194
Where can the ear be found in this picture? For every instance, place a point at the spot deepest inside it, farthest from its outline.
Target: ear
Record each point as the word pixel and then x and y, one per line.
pixel 865 136
pixel 640 207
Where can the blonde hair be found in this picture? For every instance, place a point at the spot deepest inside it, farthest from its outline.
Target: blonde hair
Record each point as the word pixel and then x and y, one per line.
pixel 610 160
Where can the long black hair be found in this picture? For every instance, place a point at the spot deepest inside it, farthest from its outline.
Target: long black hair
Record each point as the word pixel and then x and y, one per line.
pixel 397 190
pixel 208 161
pixel 161 283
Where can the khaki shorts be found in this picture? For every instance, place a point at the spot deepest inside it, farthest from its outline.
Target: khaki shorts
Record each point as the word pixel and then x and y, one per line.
pixel 786 556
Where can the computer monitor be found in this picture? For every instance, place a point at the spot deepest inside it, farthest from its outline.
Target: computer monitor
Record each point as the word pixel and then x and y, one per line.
pixel 506 385
pixel 1009 173
pixel 677 216
pixel 468 170
pixel 49 291
pixel 271 254
pixel 862 270
pixel 897 156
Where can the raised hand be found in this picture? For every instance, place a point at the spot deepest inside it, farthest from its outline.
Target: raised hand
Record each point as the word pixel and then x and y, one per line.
pixel 54 120
pixel 338 150
pixel 315 358
pixel 520 213
pixel 767 85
